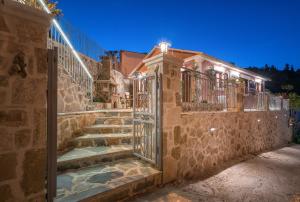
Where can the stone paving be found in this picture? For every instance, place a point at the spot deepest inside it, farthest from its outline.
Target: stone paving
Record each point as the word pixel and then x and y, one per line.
pixel 272 176
pixel 75 186
pixel 92 151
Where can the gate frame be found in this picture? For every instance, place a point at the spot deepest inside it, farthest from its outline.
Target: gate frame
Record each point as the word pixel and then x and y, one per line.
pixel 157 117
pixel 52 124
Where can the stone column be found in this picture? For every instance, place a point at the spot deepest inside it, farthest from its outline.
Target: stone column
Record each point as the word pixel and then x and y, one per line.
pixel 23 95
pixel 240 96
pixel 169 70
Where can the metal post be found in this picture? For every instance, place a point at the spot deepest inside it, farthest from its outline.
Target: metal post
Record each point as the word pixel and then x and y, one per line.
pixel 52 124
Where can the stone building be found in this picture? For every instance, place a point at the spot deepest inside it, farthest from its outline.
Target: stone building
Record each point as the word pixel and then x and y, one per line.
pixel 192 114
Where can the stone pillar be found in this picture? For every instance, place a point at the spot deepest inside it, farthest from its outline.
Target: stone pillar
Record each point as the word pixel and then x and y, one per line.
pixel 169 70
pixel 240 96
pixel 23 95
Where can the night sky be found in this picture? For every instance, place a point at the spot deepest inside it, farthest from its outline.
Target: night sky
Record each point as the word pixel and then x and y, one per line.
pixel 246 32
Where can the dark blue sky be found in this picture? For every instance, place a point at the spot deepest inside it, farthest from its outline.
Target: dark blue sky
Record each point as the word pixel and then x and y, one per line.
pixel 247 32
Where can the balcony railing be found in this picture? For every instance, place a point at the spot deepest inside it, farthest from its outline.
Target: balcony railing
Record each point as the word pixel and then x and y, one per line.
pixel 199 92
pixel 202 93
pixel 255 101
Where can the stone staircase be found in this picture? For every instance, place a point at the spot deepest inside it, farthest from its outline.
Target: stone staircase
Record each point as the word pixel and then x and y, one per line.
pixel 102 167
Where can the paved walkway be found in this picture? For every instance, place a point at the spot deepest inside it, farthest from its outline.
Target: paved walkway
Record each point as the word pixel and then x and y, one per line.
pixel 272 176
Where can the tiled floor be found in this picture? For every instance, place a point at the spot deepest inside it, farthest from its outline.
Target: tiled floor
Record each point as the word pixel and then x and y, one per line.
pixel 77 185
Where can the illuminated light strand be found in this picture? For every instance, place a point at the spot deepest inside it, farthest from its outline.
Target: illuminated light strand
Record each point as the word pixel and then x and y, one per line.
pixel 58 27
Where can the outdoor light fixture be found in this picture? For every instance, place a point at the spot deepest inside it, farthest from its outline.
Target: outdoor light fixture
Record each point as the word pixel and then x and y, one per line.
pixel 234 74
pixel 164 46
pixel 258 120
pixel 219 68
pixel 212 129
pixel 276 117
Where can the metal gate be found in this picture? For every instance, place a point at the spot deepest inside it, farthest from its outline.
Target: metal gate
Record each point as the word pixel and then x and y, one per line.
pixel 146 118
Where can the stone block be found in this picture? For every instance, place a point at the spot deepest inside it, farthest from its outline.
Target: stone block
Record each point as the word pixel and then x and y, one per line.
pixel 30 32
pixel 3 81
pixel 22 138
pixel 29 91
pixel 34 171
pixel 3 96
pixel 41 60
pixel 170 170
pixel 177 137
pixel 6 143
pixel 6 193
pixel 13 118
pixel 8 163
pixel 3 25
pixel 39 132
pixel 176 152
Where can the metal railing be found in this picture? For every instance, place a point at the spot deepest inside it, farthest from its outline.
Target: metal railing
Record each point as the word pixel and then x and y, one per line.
pixel 202 93
pixel 255 101
pixel 275 102
pixel 285 104
pixel 70 61
pixel 68 43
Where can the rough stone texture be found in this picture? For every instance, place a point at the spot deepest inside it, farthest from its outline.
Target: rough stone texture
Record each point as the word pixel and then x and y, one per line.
pixel 6 193
pixel 6 143
pixel 70 125
pixel 70 96
pixel 22 163
pixel 272 176
pixel 22 138
pixel 34 169
pixel 8 164
pixel 102 182
pixel 236 134
pixel 196 143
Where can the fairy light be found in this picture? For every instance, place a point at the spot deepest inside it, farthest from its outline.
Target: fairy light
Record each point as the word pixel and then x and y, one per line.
pixel 56 24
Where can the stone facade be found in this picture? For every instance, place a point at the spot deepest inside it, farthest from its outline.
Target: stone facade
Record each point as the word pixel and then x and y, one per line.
pixel 70 125
pixel 70 96
pixel 23 85
pixel 196 143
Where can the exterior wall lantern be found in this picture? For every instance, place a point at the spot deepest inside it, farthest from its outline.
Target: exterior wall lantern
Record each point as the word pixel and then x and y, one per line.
pixel 164 46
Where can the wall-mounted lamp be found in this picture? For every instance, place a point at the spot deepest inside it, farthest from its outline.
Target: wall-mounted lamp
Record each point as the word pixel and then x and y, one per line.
pixel 258 120
pixel 164 46
pixel 212 129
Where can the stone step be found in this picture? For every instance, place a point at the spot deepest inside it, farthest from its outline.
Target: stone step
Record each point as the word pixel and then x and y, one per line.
pixel 114 113
pixel 109 182
pixel 94 140
pixel 88 156
pixel 126 120
pixel 105 129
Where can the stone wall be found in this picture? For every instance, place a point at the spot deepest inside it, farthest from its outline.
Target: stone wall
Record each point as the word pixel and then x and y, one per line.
pixel 70 96
pixel 197 143
pixel 23 33
pixel 70 125
pixel 202 142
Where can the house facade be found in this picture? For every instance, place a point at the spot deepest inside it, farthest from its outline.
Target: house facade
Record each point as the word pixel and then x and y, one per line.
pixel 189 117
